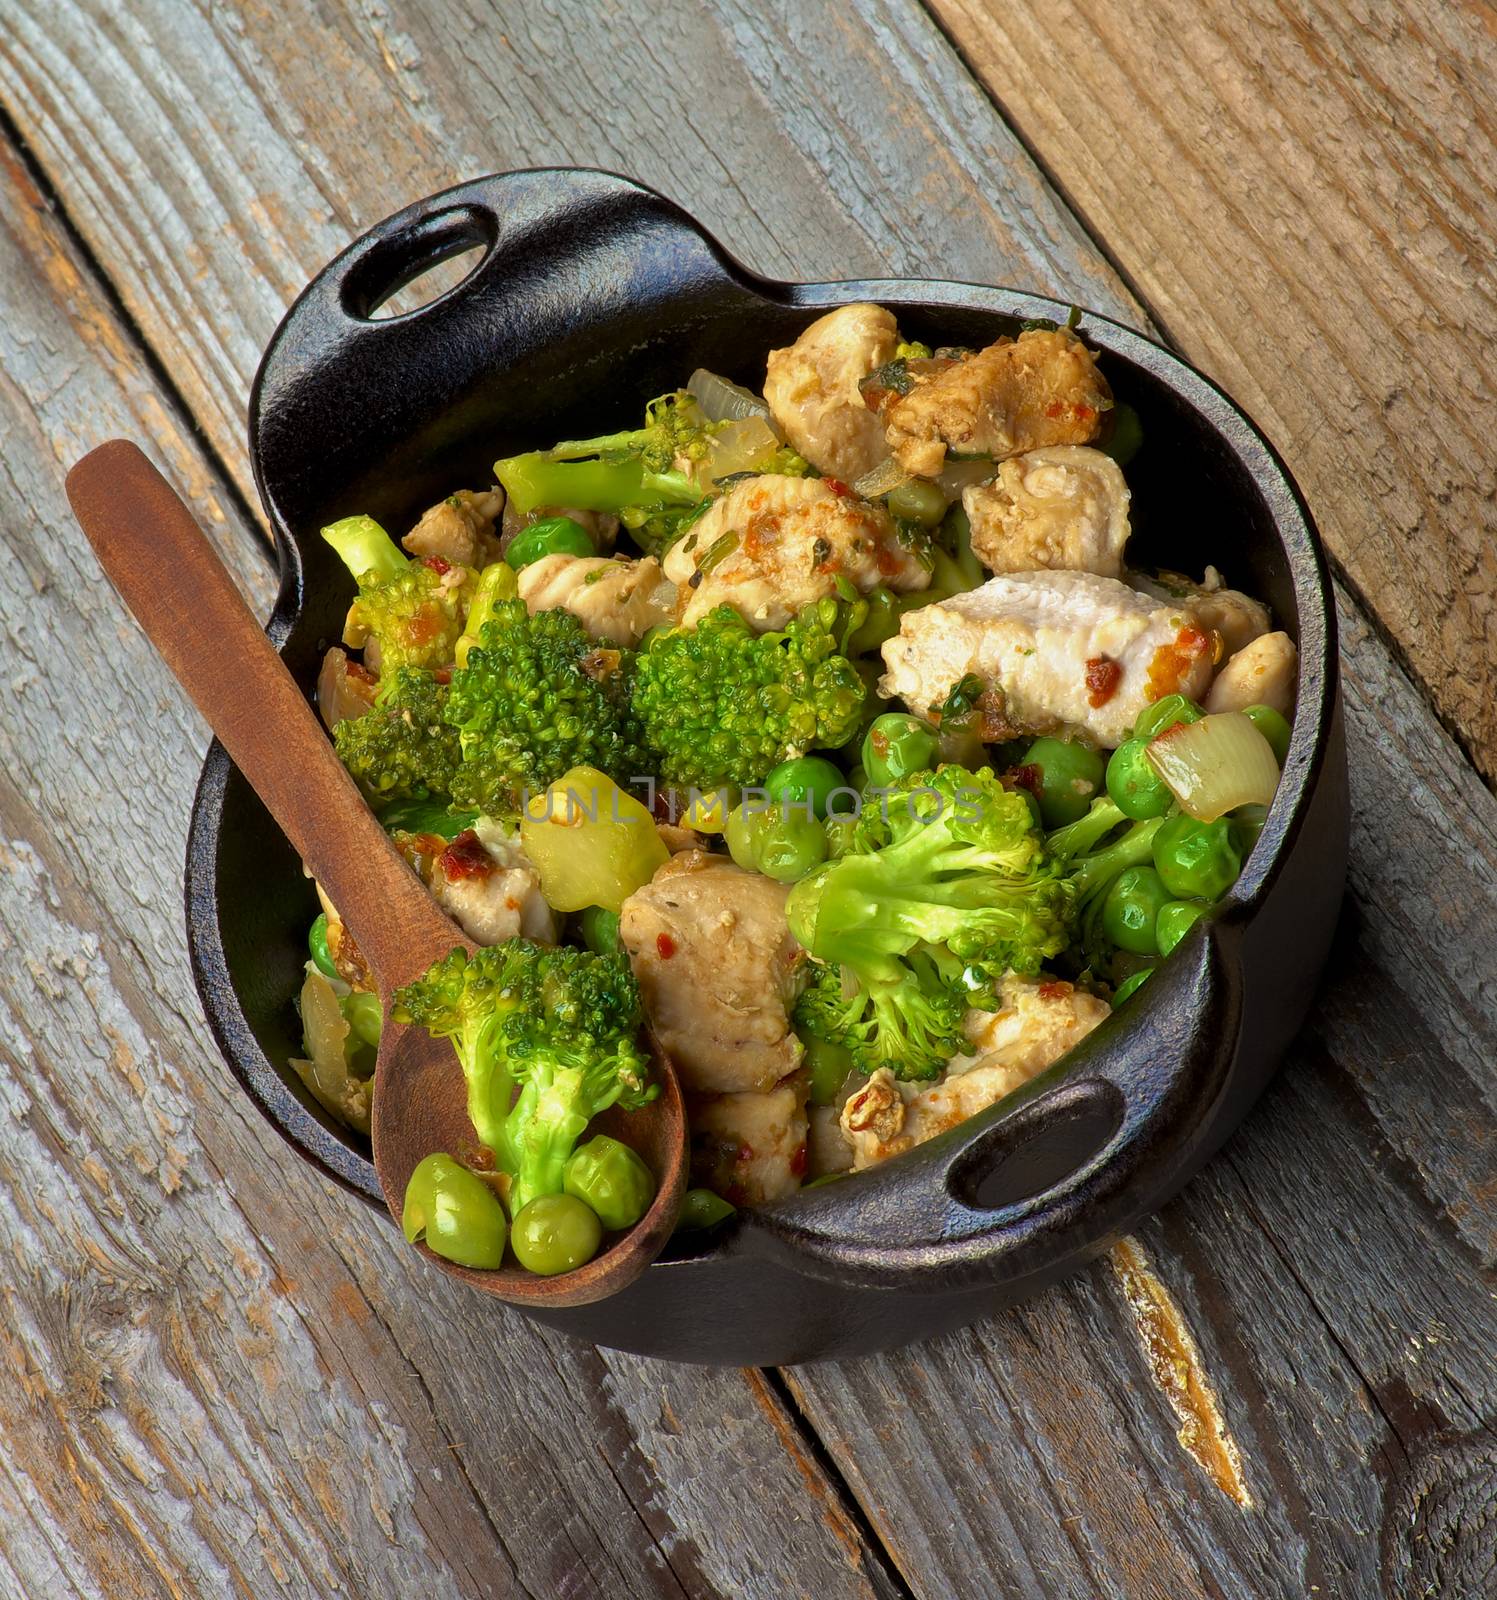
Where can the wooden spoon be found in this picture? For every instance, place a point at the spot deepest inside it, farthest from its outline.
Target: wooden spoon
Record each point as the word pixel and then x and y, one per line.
pixel 168 574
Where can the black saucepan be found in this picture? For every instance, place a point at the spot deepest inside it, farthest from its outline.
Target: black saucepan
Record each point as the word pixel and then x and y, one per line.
pixel 590 295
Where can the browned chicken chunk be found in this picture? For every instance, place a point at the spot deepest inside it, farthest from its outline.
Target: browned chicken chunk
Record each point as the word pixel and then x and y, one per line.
pixel 750 1148
pixel 1019 394
pixel 460 529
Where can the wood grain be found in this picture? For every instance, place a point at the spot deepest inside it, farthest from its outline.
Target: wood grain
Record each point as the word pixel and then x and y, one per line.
pixel 1331 1266
pixel 1305 195
pixel 218 1374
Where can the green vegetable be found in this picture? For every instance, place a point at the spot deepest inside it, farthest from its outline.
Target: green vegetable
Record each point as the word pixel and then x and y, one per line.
pixel 537 697
pixel 612 1180
pixel 1138 790
pixel 555 1233
pixel 1125 989
pixel 558 1024
pixel 948 886
pixel 426 816
pixel 591 843
pixel 600 931
pixel 1164 714
pixel 1130 910
pixel 1197 860
pixel 955 541
pixel 317 944
pixel 701 1208
pixel 897 745
pixel 455 1212
pixel 495 583
pixel 840 832
pixel 551 536
pixel 1126 435
pixel 1247 823
pixel 807 782
pixel 790 844
pixel 917 501
pixel 402 748
pixel 366 549
pixel 1071 775
pixel 829 1066
pixel 364 1016
pixel 1273 727
pixel 1176 919
pixel 743 832
pixel 722 705
pixel 1092 859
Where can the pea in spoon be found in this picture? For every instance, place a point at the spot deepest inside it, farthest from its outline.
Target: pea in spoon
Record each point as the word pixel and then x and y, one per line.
pixel 153 551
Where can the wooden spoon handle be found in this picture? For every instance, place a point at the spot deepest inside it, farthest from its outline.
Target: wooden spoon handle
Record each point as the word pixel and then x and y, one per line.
pixel 150 545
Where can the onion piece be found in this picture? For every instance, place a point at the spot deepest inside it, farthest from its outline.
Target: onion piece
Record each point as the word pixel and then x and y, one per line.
pixel 722 401
pixel 887 475
pixel 1215 765
pixel 747 445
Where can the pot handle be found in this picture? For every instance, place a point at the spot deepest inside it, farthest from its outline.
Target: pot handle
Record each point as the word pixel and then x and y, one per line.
pixel 1058 1169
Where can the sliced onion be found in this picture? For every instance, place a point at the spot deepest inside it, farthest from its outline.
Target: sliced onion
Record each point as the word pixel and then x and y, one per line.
pixel 742 446
pixel 722 401
pixel 887 475
pixel 1215 765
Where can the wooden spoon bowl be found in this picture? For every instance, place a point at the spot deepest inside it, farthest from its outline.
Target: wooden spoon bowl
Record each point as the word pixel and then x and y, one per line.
pixel 166 571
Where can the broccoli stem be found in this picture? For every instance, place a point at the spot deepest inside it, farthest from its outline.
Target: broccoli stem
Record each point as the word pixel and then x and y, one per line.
pixel 550 1118
pixel 365 548
pixel 1136 847
pixel 1078 837
pixel 539 479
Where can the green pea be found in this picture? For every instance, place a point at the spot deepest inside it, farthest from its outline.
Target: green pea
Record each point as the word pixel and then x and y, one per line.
pixel 610 1178
pixel 600 930
pixel 791 845
pixel 1071 775
pixel 744 831
pixel 829 1065
pixel 918 501
pixel 1032 801
pixel 1129 986
pixel 456 1213
pixel 880 623
pixel 1247 823
pixel 1126 435
pixel 1176 919
pixel 701 1208
pixel 1197 860
pixel 812 778
pixel 551 536
pixel 839 836
pixel 555 1233
pixel 1165 713
pixel 895 746
pixel 1131 910
pixel 317 943
pixel 1136 788
pixel 1272 726
pixel 364 1015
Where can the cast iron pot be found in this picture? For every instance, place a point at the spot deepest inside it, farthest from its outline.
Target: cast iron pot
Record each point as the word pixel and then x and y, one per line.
pixel 591 295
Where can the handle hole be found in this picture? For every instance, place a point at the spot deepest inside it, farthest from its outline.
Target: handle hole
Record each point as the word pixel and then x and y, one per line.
pixel 420 264
pixel 1040 1146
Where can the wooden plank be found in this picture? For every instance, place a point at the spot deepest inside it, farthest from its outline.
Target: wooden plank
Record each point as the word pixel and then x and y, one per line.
pixel 1033 1456
pixel 1306 198
pixel 218 1374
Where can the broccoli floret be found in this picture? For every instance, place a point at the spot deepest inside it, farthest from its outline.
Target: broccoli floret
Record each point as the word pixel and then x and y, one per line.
pixel 558 1024
pixel 720 704
pixel 402 749
pixel 536 698
pixel 1091 864
pixel 947 886
pixel 412 611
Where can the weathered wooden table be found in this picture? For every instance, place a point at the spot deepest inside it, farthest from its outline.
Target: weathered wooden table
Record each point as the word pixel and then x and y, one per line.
pixel 218 1374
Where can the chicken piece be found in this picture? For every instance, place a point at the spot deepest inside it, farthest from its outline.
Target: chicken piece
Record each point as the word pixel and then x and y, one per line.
pixel 1062 507
pixel 718 971
pixel 1262 673
pixel 1055 651
pixel 750 1148
pixel 488 886
pixel 460 529
pixel 811 389
pixel 345 689
pixel 1237 619
pixel 827 1149
pixel 676 837
pixel 602 527
pixel 794 538
pixel 1017 395
pixel 613 598
pixel 1038 1022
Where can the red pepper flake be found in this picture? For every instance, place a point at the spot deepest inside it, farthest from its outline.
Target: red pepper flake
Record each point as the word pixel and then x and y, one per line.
pixel 888 562
pixel 798 1160
pixel 360 673
pixel 1055 409
pixel 838 488
pixel 1056 989
pixel 424 627
pixel 443 674
pixel 665 946
pixel 465 857
pixel 1103 675
pixel 437 564
pixel 1031 776
pixel 880 742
